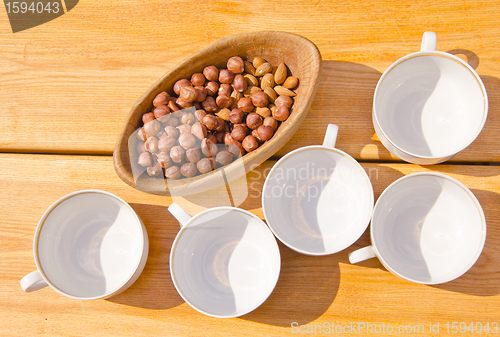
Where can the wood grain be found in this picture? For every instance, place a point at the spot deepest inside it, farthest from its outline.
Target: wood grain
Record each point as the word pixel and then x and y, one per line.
pixel 67 86
pixel 311 290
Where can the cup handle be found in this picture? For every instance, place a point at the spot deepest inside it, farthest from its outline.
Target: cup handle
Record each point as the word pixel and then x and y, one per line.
pixel 428 42
pixel 181 215
pixel 33 281
pixel 362 254
pixel 331 135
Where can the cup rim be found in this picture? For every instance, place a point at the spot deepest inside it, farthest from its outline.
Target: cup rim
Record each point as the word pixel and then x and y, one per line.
pixel 137 264
pixel 465 189
pixel 187 225
pixel 308 148
pixel 439 54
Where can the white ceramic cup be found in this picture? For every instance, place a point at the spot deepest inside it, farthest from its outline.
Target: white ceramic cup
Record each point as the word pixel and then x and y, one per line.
pixel 89 244
pixel 429 105
pixel 224 261
pixel 426 228
pixel 318 200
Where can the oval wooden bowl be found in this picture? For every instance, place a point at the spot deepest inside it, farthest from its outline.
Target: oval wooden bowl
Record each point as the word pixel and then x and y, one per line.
pixel 303 60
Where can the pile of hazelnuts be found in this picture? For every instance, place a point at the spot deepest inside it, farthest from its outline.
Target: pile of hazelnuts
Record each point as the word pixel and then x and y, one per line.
pixel 214 117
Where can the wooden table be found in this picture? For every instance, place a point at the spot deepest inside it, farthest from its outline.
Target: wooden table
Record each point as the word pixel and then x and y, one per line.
pixel 66 87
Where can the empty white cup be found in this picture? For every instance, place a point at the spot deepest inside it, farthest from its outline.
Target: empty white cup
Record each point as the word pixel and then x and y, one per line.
pixel 224 261
pixel 426 228
pixel 318 200
pixel 89 244
pixel 429 105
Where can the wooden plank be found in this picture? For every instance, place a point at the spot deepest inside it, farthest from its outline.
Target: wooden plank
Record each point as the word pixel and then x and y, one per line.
pixel 67 85
pixel 312 291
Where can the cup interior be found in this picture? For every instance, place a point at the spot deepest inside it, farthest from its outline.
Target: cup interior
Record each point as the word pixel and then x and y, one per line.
pixel 430 104
pixel 89 245
pixel 428 228
pixel 317 200
pixel 225 262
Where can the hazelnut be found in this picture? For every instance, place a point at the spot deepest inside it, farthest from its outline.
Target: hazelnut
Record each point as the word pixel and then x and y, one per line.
pixel 179 113
pixel 212 88
pixel 236 64
pixel 187 140
pixel 165 143
pixel 161 99
pixel 205 165
pixel 224 157
pixel 210 121
pixel 226 76
pixel 223 101
pixel 240 83
pixel 236 149
pixel 239 132
pixel 208 147
pixel 189 170
pixel 202 94
pixel 162 113
pixel 183 128
pixel 183 103
pixel 145 159
pixel 148 117
pixel 259 99
pixel 172 172
pixel 245 104
pixel 219 136
pixel 198 79
pixel 271 121
pixel 164 159
pixel 211 73
pixel 281 113
pixel 152 128
pixel 181 83
pixel 154 170
pixel 141 134
pixel 265 132
pixel 199 131
pixel 188 94
pixel 236 116
pixel 283 100
pixel 193 155
pixel 199 114
pixel 177 154
pixel 228 139
pixel 254 121
pixel 172 121
pixel 172 131
pixel 256 135
pixel 221 125
pixel 172 106
pixel 209 104
pixel 225 89
pixel 151 144
pixel 188 118
pixel 250 143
